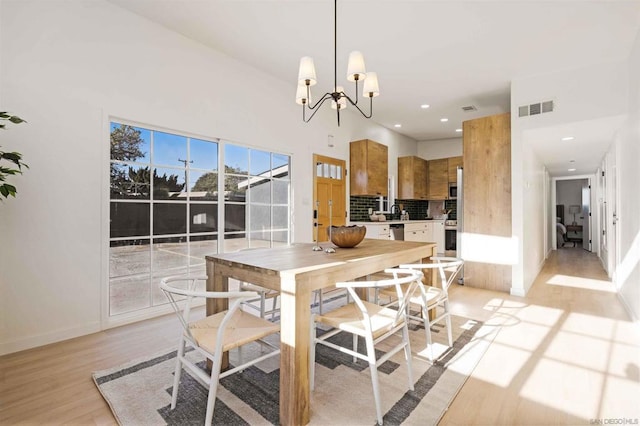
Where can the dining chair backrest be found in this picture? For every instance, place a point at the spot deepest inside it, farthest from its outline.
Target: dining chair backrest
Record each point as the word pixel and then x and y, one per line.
pixel 181 299
pixel 404 281
pixel 447 269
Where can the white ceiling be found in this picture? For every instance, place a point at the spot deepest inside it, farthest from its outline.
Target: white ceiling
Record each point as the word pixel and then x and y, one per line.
pixel 447 54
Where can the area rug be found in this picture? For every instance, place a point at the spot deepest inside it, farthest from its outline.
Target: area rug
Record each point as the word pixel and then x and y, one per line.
pixel 139 393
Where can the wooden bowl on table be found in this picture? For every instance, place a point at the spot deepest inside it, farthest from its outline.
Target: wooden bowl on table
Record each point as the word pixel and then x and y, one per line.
pixel 347 236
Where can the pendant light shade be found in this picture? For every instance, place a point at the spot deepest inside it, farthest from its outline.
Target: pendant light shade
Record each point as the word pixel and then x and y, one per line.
pixel 371 88
pixel 301 94
pixel 356 69
pixel 307 71
pixel 342 101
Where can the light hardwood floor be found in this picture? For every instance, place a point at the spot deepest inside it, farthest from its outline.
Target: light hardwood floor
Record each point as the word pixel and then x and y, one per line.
pixel 565 354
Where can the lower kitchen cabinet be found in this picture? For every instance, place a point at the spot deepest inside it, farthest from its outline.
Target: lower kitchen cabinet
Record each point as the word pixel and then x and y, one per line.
pixel 421 232
pixel 378 231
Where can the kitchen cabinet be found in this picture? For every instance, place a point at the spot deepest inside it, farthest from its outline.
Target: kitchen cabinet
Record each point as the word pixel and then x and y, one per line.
pixel 438 235
pixel 369 168
pixel 378 231
pixel 412 178
pixel 452 166
pixel 438 179
pixel 421 232
pixel 486 147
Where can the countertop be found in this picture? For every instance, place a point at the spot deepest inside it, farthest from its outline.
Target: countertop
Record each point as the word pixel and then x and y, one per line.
pixel 396 222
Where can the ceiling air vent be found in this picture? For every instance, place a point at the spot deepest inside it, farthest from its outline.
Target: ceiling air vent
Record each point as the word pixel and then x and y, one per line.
pixel 535 108
pixel 469 108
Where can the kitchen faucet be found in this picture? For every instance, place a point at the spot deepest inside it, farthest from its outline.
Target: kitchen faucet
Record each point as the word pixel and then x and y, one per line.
pixel 397 207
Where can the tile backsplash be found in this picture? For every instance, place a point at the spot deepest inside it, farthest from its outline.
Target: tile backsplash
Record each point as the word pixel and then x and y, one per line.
pixel 359 208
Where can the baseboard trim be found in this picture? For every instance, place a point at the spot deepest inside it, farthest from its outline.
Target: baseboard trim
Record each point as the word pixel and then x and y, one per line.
pixel 30 342
pixel 627 308
pixel 520 292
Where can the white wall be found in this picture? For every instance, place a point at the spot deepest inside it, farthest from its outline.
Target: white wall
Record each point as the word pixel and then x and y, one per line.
pixel 67 67
pixel 443 148
pixel 579 95
pixel 627 275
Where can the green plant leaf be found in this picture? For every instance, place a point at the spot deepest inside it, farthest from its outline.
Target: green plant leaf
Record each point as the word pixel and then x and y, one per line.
pixel 16 120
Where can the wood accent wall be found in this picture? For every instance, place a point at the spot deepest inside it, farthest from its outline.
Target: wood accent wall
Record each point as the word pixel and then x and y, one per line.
pixel 487 199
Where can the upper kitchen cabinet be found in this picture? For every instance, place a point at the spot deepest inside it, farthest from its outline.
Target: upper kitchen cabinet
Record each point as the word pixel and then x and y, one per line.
pixel 412 178
pixel 369 168
pixel 452 165
pixel 438 179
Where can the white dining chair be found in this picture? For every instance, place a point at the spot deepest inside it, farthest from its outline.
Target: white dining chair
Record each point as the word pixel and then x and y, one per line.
pixel 373 322
pixel 214 334
pixel 431 298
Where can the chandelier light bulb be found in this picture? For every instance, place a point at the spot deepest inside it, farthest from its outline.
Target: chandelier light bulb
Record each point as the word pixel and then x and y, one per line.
pixel 342 101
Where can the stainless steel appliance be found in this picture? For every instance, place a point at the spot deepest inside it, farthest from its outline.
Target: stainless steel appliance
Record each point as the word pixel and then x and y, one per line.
pixel 450 237
pixel 460 219
pixel 453 190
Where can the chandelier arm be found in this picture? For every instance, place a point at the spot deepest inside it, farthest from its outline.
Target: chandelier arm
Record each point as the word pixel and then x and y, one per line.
pixel 335 49
pixel 358 108
pixel 320 102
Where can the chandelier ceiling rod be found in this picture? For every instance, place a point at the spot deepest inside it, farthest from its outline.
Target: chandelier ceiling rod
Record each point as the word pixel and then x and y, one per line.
pixel 355 72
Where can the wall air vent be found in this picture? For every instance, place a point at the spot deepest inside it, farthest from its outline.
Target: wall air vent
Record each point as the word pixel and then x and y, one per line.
pixel 469 108
pixel 535 108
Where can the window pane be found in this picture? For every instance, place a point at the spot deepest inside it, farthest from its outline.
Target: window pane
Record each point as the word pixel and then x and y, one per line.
pixel 169 150
pixel 235 242
pixel 169 254
pixel 260 217
pixel 127 294
pixel 260 239
pixel 236 159
pixel 169 218
pixel 129 181
pixel 235 188
pixel 234 217
pixel 130 219
pixel 260 191
pixel 281 191
pixel 260 163
pixel 280 217
pixel 168 183
pixel 130 143
pixel 204 155
pixel 281 166
pixel 201 246
pixel 280 238
pixel 204 217
pixel 130 257
pixel 203 185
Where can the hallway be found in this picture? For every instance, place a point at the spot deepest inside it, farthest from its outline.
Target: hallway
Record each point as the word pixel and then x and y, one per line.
pixel 567 353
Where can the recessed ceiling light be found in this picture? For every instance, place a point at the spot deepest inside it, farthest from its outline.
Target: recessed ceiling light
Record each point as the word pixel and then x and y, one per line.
pixel 568 138
pixel 397 125
pixel 458 130
pixel 572 161
pixel 444 120
pixel 571 170
pixel 425 106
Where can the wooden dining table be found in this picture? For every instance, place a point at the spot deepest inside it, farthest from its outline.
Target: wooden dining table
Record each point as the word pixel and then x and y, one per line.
pixel 296 271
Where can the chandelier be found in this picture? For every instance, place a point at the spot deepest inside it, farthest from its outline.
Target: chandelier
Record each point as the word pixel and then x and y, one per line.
pixel 339 99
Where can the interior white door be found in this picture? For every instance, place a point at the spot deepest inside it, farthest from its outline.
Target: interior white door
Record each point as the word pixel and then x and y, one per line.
pixel 586 214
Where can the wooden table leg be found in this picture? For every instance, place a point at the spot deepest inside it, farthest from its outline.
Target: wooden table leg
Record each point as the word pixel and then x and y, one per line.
pixel 217 282
pixel 295 313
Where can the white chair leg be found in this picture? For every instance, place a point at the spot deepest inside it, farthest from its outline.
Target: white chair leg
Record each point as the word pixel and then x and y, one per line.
pixel 427 330
pixel 177 373
pixel 355 347
pixel 262 304
pixel 213 389
pixel 320 301
pixel 274 307
pixel 371 356
pixel 312 354
pixel 407 354
pixel 448 320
